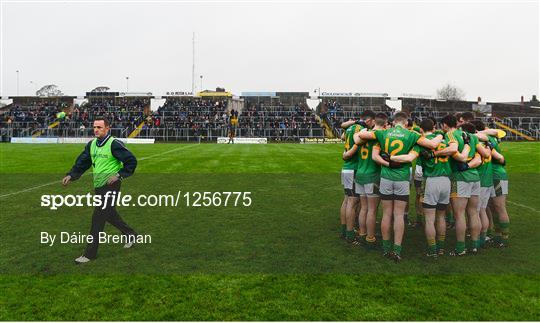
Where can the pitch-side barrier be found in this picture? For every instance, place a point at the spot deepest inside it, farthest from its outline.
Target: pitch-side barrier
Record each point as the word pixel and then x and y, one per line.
pixel 74 140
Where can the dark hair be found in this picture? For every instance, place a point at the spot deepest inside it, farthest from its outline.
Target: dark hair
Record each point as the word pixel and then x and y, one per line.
pixel 449 120
pixel 105 121
pixel 468 127
pixel 409 122
pixel 400 117
pixel 479 125
pixel 467 116
pixel 367 114
pixel 427 125
pixel 380 119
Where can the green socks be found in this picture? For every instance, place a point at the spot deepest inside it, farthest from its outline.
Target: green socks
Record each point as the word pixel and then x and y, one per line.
pixel 475 244
pixel 440 242
pixel 432 246
pixel 387 246
pixel 504 231
pixel 460 246
pixel 397 249
pixel 482 238
pixel 343 230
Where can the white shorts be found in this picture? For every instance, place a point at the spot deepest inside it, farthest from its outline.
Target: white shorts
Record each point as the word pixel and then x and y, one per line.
pixel 485 194
pixel 418 173
pixel 347 180
pixel 500 186
pixel 394 190
pixel 436 192
pixel 465 189
pixel 369 190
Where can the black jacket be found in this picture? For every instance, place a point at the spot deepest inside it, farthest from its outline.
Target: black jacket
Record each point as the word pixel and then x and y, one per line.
pixel 119 151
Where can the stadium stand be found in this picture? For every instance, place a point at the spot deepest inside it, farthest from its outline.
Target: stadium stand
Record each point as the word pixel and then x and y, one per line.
pixel 279 122
pixel 522 120
pixel 187 118
pixel 278 116
pixel 334 110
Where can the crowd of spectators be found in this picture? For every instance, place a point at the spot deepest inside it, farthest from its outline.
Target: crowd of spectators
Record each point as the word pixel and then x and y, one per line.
pixel 259 116
pixel 189 114
pixel 39 115
pixel 334 113
pixel 196 115
pixel 121 114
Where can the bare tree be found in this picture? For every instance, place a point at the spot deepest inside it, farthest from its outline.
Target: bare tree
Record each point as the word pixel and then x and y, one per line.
pixel 101 89
pixel 49 90
pixel 450 92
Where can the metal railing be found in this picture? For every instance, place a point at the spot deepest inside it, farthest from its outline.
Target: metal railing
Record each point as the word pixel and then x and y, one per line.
pixel 174 134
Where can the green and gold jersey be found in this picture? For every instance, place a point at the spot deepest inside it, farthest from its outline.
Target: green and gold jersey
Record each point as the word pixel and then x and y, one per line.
pixel 416 128
pixel 438 166
pixel 418 161
pixel 397 141
pixel 499 172
pixel 352 162
pixel 470 175
pixel 367 170
pixel 485 171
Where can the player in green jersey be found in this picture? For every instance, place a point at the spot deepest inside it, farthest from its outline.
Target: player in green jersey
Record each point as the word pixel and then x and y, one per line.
pixel 350 200
pixel 473 205
pixel 417 181
pixel 486 183
pixel 367 183
pixel 500 183
pixel 436 184
pixel 465 181
pixel 350 155
pixel 394 186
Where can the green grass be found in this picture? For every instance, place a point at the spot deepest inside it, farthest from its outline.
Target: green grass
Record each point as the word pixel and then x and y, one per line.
pixel 279 259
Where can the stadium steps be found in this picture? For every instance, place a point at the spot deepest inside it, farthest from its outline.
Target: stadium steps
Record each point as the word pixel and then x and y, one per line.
pixel 137 130
pixel 514 131
pixel 52 125
pixel 325 124
pixel 328 132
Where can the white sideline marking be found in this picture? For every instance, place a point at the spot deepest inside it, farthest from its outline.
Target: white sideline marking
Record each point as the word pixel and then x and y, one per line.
pixel 31 188
pixel 523 206
pixel 165 152
pixel 59 181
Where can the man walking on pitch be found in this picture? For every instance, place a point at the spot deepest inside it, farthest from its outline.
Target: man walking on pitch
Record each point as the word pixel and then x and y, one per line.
pixel 111 162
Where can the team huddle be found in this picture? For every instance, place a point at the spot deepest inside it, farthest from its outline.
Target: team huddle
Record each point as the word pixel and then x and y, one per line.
pixel 459 178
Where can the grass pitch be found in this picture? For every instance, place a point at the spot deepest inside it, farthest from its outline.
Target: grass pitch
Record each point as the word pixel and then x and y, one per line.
pixel 279 259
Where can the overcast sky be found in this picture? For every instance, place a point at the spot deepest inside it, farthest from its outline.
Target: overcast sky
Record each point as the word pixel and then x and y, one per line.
pixel 489 49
